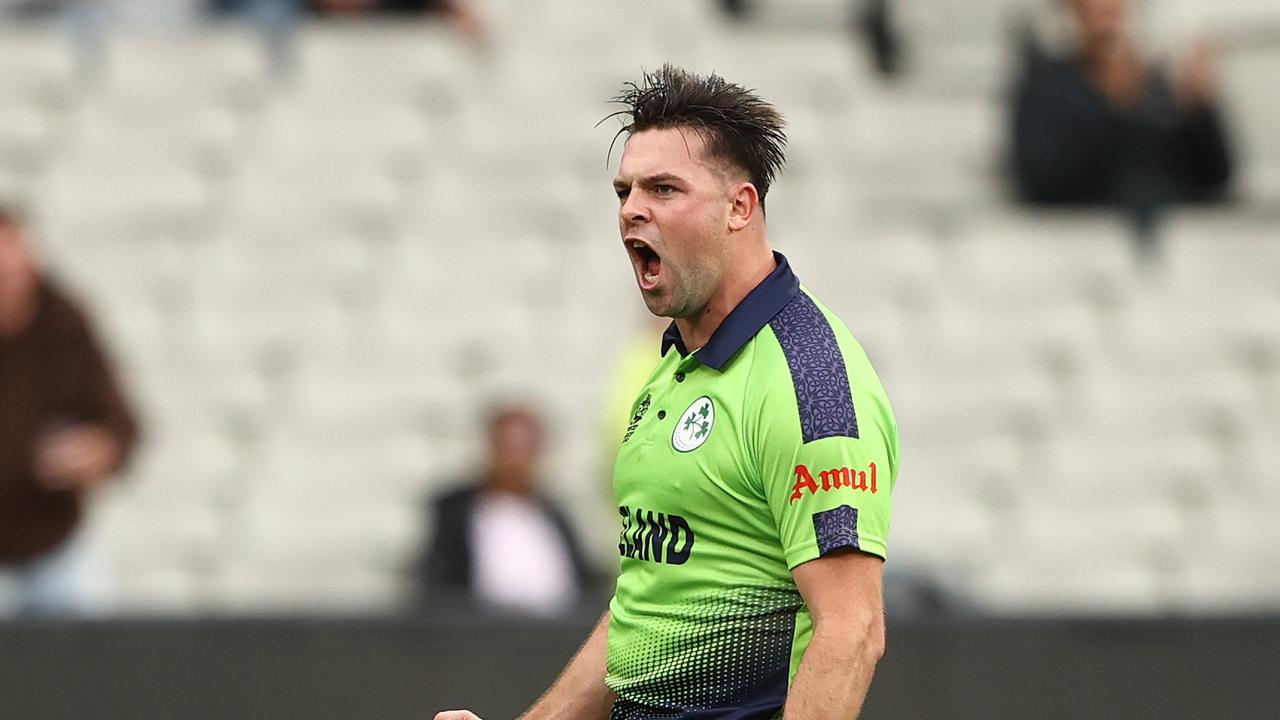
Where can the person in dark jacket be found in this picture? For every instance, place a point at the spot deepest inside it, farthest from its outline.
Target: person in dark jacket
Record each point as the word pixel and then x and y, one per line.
pixel 1105 126
pixel 65 428
pixel 497 540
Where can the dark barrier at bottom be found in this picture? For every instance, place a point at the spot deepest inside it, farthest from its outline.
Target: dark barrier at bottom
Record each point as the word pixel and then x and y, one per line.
pixel 411 667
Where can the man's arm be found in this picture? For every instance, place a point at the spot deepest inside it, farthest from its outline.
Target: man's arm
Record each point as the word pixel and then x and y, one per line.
pixel 81 455
pixel 844 593
pixel 578 694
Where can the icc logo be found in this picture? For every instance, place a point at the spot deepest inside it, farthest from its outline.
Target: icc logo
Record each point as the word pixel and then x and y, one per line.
pixel 694 426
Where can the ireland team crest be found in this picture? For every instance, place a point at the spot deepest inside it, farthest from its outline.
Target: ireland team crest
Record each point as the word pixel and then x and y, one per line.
pixel 694 426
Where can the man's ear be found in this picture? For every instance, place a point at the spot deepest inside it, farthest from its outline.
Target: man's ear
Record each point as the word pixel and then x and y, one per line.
pixel 746 203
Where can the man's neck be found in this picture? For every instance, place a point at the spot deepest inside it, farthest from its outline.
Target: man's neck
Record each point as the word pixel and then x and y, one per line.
pixel 747 273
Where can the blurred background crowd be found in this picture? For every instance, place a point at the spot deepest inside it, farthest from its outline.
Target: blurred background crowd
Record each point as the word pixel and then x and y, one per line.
pixel 318 306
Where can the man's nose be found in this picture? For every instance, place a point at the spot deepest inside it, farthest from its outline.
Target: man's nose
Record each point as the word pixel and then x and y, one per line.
pixel 633 211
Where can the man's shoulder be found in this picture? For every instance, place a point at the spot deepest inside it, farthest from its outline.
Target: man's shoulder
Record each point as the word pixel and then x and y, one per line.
pixel 456 496
pixel 806 361
pixel 58 307
pixel 811 339
pixel 60 323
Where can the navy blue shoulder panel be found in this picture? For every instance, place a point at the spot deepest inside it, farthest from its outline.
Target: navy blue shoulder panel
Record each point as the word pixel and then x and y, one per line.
pixel 817 370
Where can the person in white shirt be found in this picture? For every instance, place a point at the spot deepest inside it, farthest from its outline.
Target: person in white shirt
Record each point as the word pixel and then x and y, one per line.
pixel 500 542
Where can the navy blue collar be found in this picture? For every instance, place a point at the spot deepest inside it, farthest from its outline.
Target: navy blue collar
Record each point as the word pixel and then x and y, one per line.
pixel 744 321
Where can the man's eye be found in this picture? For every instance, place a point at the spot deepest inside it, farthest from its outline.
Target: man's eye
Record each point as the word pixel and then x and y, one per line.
pixel 664 189
pixel 622 193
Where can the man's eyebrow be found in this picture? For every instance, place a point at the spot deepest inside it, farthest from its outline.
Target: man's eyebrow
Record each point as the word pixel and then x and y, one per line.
pixel 651 180
pixel 647 180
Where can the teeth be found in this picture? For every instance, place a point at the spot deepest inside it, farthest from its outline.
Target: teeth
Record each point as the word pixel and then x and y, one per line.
pixel 650 277
pixel 637 244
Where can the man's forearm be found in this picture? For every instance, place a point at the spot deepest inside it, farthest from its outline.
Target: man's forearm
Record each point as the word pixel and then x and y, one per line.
pixel 836 672
pixel 579 693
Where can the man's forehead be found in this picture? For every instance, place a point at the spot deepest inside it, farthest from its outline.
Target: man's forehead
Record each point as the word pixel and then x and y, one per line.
pixel 665 150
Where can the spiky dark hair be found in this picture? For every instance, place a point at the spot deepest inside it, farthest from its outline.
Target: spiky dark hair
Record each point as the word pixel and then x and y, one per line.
pixel 738 125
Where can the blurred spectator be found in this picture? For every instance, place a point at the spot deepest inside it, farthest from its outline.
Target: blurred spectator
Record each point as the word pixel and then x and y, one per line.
pixel 150 14
pixel 64 429
pixel 31 8
pixel 872 18
pixel 274 18
pixel 89 21
pixel 69 11
pixel 500 542
pixel 462 16
pixel 123 13
pixel 1103 125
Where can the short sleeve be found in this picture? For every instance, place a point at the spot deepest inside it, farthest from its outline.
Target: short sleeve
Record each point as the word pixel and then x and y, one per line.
pixel 830 493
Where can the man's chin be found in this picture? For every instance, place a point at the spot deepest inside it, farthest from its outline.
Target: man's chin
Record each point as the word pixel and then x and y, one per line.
pixel 656 303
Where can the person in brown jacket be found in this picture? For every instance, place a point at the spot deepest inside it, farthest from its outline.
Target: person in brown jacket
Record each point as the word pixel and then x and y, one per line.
pixel 65 428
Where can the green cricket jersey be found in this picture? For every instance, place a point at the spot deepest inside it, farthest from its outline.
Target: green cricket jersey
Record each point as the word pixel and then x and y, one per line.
pixel 768 447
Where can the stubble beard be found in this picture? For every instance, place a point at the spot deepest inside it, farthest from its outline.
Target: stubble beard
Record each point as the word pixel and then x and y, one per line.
pixel 685 297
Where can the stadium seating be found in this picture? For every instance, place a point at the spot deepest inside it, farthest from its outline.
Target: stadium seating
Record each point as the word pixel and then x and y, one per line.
pixel 320 270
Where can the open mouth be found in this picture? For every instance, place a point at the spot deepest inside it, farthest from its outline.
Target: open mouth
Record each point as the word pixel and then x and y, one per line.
pixel 647 262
